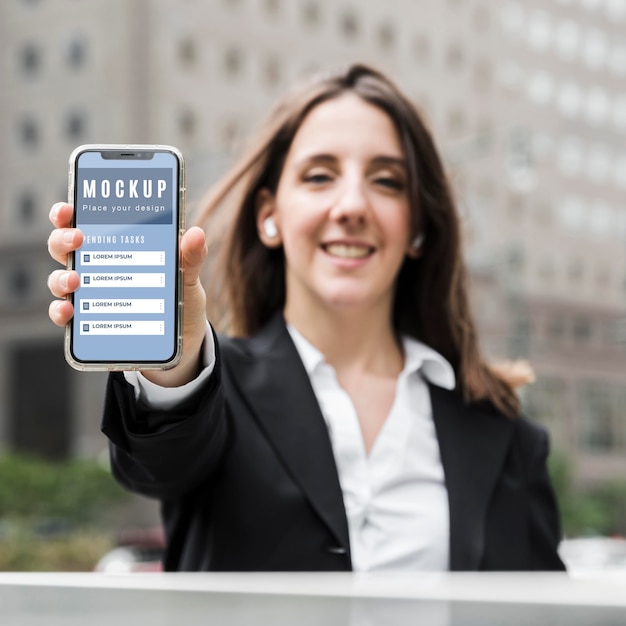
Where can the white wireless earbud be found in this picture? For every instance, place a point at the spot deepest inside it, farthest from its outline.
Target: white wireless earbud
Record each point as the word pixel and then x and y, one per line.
pixel 269 227
pixel 416 244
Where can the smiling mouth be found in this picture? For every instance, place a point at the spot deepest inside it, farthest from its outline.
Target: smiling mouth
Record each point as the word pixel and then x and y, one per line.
pixel 348 251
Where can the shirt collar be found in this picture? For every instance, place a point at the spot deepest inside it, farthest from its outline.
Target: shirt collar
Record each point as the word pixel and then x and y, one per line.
pixel 419 357
pixel 434 367
pixel 311 357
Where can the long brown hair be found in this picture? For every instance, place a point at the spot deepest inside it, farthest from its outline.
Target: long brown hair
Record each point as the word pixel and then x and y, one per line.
pixel 246 284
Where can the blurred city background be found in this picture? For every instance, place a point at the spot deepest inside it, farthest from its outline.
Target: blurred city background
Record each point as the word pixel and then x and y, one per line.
pixel 527 101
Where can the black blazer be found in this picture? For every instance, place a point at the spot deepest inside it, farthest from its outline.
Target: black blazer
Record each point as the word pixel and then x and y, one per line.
pixel 248 482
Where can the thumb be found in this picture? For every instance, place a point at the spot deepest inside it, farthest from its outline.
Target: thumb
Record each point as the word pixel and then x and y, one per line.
pixel 193 251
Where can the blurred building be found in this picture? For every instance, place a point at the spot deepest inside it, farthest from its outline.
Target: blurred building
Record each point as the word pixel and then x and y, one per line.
pixel 527 101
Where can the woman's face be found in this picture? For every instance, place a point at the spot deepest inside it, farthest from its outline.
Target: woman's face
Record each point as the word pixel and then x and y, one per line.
pixel 342 209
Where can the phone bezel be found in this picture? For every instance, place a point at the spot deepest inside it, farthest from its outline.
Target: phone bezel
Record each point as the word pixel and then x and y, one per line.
pixel 120 149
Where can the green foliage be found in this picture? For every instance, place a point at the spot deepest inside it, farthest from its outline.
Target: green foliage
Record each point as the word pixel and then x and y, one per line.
pixel 76 491
pixel 53 516
pixel 591 510
pixel 23 551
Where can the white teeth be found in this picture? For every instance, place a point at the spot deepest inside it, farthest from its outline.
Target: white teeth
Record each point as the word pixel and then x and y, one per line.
pixel 346 251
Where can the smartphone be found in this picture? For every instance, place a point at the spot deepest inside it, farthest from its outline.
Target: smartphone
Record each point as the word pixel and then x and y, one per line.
pixel 129 202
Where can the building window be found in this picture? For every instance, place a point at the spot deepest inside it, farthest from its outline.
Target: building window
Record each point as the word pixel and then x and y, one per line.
pixel 572 213
pixel 617 59
pixel 591 5
pixel 595 49
pixel 349 25
pixel 540 88
pixel 567 37
pixel 556 328
pixel 187 52
pixel 599 162
pixel 229 134
pixel 575 273
pixel 619 111
pixel 616 10
pixel 581 329
pixel 481 17
pixel 546 401
pixel 597 106
pixel 386 36
pixel 543 146
pixel 26 207
pixel 569 100
pixel 615 333
pixel 29 133
pixel 233 62
pixel 271 72
pixel 619 172
pixel 76 52
pixel 601 222
pixel 571 156
pixel 454 57
pixel 521 334
pixel 546 271
pixel 272 7
pixel 75 126
pixel 598 428
pixel 20 284
pixel 516 208
pixel 539 30
pixel 512 18
pixel 482 74
pixel 521 159
pixel 456 121
pixel 603 279
pixel 515 257
pixel 40 424
pixel 621 223
pixel 30 59
pixel 187 123
pixel 311 14
pixel 421 48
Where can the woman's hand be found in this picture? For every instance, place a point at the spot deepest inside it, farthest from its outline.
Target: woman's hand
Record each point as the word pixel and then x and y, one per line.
pixel 64 240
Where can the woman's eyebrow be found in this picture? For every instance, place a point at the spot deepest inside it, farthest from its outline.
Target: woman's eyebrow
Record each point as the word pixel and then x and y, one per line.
pixel 390 160
pixel 330 159
pixel 322 158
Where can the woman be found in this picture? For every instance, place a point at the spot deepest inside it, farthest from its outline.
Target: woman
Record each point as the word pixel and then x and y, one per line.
pixel 348 422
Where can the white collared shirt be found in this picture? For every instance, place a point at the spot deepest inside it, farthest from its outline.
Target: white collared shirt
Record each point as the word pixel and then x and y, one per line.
pixel 395 499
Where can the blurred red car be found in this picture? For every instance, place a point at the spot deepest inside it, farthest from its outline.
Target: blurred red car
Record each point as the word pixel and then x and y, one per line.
pixel 136 551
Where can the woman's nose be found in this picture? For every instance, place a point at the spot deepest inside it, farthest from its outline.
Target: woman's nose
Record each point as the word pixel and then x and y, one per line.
pixel 351 202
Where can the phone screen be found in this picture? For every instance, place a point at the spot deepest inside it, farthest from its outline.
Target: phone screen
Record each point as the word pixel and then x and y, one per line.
pixel 127 203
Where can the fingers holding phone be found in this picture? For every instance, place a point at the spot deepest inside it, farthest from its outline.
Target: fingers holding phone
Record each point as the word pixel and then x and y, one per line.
pixel 193 254
pixel 63 241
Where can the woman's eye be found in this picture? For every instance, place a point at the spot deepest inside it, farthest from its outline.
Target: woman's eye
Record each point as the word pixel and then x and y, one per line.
pixel 317 178
pixel 390 182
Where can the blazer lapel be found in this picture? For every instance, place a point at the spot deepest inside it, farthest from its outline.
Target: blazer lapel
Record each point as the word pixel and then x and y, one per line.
pixel 473 443
pixel 282 399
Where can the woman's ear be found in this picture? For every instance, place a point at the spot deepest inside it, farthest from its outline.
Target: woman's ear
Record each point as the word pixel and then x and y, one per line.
pixel 267 227
pixel 415 247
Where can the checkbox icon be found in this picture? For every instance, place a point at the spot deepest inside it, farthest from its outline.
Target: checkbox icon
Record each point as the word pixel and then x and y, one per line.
pixel 87 258
pixel 85 306
pixel 86 280
pixel 85 328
